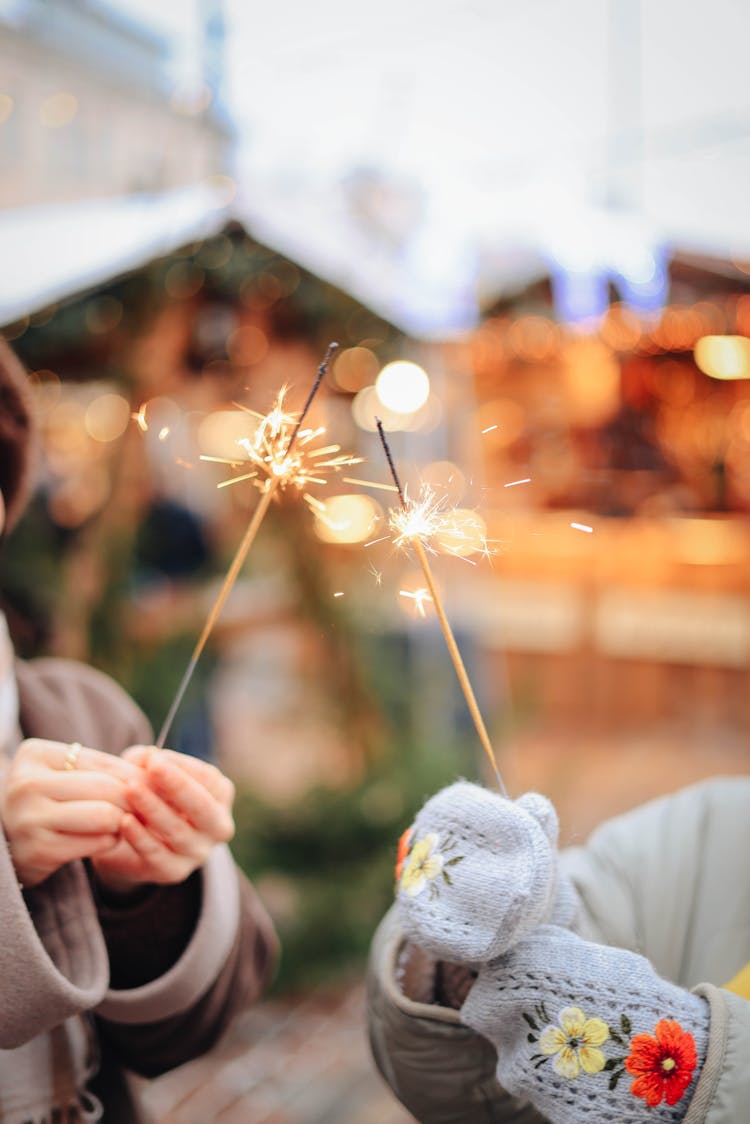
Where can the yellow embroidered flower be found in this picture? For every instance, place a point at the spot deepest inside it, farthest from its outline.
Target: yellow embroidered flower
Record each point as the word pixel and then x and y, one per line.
pixel 574 1043
pixel 424 864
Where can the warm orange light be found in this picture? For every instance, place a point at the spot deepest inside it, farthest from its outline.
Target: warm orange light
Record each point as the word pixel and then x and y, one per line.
pixel 107 417
pixel 355 368
pixel 219 435
pixel 403 387
pixel 346 518
pixel 462 532
pixel 723 357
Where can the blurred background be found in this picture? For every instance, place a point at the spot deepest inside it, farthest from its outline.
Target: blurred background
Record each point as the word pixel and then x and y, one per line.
pixel 525 226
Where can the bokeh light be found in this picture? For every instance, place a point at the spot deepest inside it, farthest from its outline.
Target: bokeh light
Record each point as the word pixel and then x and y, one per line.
pixel 462 532
pixel 355 368
pixel 107 417
pixel 78 498
pixel 220 431
pixel 47 389
pixel 349 518
pixel 183 279
pixel 58 110
pixel 366 407
pixel 723 357
pixel 402 386
pixel 592 381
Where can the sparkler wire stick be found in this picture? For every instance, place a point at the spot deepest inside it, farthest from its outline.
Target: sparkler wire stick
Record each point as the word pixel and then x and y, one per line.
pixel 450 639
pixel 236 564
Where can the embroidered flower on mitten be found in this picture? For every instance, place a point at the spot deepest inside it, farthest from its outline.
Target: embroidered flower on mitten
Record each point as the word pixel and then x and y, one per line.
pixel 662 1063
pixel 574 1043
pixel 622 1044
pixel 420 866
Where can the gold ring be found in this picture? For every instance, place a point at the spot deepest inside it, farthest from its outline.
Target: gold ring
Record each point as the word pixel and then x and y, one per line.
pixel 71 757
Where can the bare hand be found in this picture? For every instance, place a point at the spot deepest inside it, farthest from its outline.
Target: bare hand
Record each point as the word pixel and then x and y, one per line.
pixel 180 808
pixel 52 815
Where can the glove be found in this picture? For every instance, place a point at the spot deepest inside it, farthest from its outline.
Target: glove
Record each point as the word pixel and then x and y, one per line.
pixel 589 1033
pixel 477 871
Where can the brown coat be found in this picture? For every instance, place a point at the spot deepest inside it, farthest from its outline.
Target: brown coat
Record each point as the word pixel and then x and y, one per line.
pixel 58 948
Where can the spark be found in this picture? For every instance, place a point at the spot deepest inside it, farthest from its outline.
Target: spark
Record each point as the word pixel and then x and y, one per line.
pixel 489 429
pixel 377 574
pixel 339 593
pixel 438 527
pixel 582 527
pixel 421 519
pixel 164 432
pixel 419 597
pixel 140 418
pixel 513 483
pixel 278 449
pixel 370 484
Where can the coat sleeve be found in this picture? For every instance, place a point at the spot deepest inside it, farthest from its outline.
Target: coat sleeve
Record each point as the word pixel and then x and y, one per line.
pixel 53 961
pixel 665 881
pixel 227 963
pixel 439 1069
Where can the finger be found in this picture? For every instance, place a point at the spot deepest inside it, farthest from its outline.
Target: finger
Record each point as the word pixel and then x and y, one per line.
pixel 82 786
pixel 220 787
pixel 55 755
pixel 163 821
pixel 70 847
pixel 190 799
pixel 139 754
pixel 81 817
pixel 35 864
pixel 160 863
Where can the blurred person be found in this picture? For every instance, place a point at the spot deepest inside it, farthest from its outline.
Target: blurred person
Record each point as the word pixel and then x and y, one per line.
pixel 512 983
pixel 129 937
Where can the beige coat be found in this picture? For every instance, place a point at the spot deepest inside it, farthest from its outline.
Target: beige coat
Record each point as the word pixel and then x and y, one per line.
pixel 54 960
pixel 667 880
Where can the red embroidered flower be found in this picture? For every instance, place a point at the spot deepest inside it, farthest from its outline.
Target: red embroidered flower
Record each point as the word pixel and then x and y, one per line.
pixel 402 853
pixel 662 1063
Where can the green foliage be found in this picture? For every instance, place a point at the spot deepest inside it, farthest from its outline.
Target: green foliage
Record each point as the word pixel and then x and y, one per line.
pixel 325 864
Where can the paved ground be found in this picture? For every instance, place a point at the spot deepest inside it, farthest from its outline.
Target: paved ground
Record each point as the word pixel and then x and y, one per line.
pixel 302 1061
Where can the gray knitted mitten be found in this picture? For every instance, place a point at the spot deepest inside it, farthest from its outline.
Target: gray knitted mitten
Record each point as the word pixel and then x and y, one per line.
pixel 589 1033
pixel 477 871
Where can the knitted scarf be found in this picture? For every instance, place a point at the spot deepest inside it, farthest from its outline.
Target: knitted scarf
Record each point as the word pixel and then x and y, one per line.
pixel 43 1081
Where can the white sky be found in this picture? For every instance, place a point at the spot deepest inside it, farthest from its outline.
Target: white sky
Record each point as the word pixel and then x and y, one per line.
pixel 513 118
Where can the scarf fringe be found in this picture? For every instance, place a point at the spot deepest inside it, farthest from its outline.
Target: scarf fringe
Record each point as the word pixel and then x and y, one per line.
pixel 86 1110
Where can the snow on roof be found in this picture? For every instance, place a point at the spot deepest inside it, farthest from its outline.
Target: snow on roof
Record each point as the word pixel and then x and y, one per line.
pixel 55 251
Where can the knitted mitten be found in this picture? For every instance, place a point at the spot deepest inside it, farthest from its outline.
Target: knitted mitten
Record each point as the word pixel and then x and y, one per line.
pixel 477 871
pixel 589 1033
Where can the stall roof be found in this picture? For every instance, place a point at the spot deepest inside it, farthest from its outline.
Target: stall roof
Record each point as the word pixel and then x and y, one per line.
pixel 56 251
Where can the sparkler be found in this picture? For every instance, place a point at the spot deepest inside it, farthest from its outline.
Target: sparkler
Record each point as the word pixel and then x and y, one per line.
pixel 280 456
pixel 415 524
